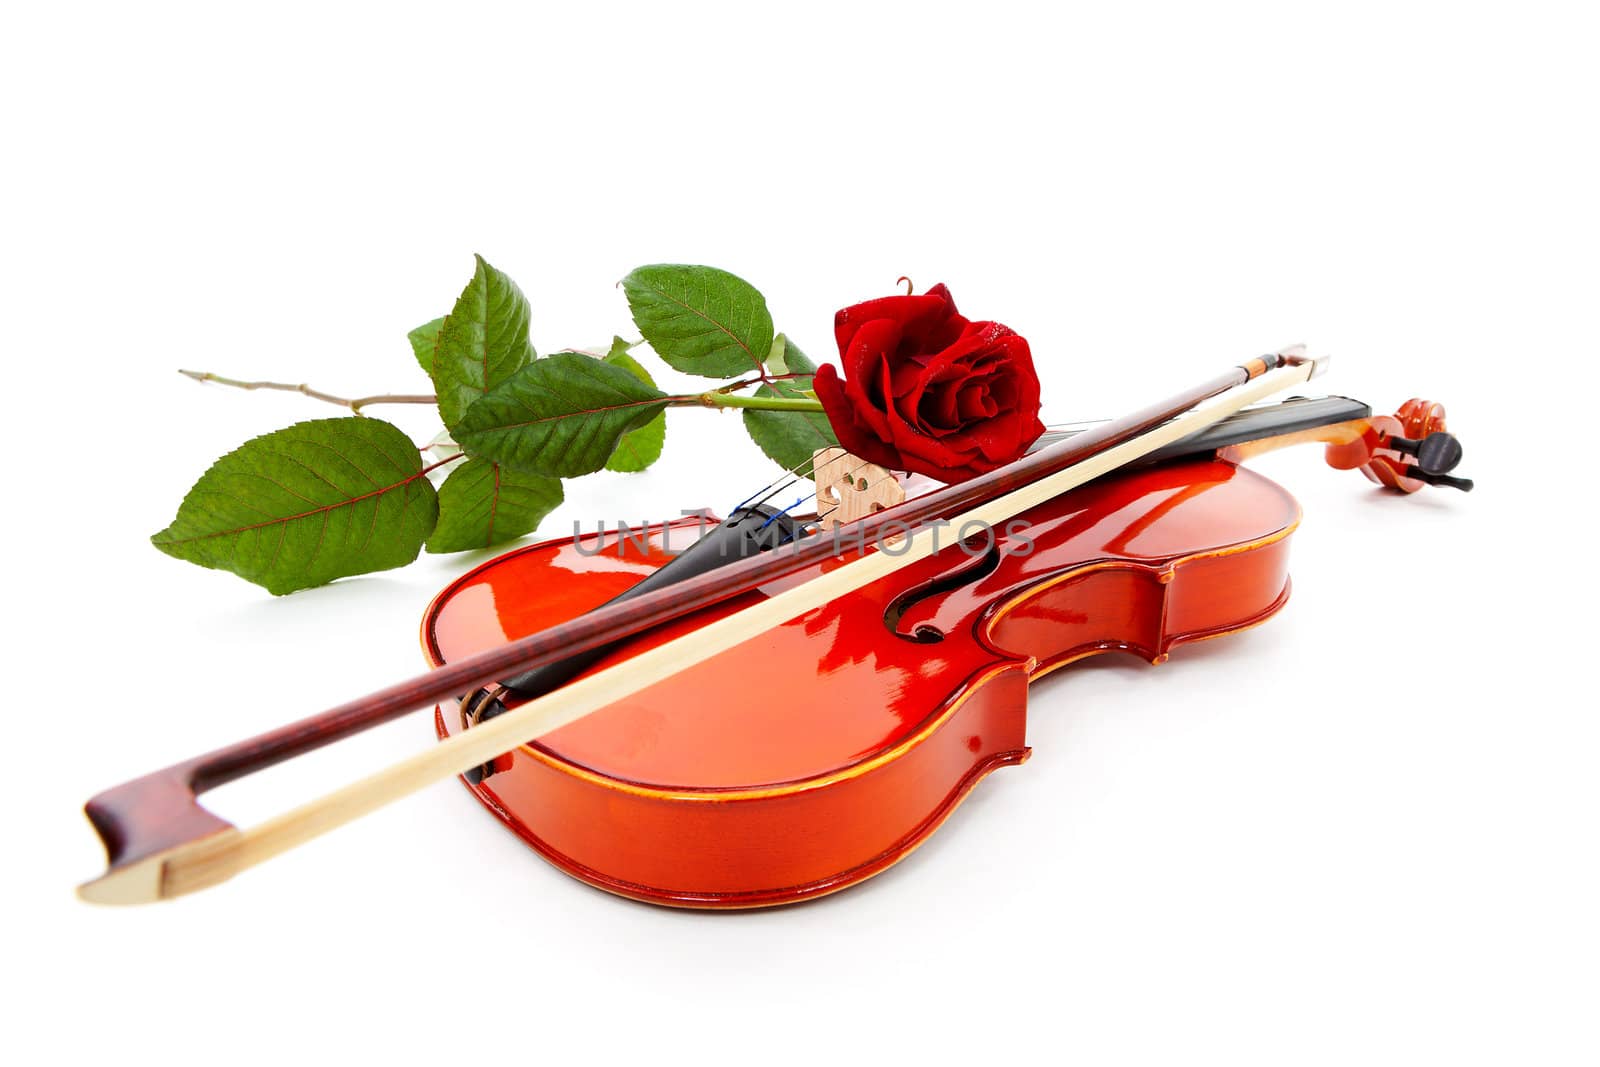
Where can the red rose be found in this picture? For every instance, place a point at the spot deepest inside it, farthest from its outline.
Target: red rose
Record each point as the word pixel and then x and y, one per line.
pixel 926 390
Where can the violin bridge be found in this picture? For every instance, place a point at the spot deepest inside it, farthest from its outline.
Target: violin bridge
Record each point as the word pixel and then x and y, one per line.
pixel 850 488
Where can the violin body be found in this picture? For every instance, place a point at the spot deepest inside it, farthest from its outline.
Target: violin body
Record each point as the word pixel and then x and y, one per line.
pixel 819 753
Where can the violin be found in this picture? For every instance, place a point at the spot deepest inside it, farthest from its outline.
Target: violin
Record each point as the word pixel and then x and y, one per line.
pixel 880 710
pixel 595 692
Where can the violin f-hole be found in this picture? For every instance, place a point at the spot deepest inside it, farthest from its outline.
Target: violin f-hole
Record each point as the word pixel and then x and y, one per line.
pixel 979 567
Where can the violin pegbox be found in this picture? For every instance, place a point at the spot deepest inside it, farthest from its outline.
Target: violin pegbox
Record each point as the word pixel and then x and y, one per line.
pixel 849 488
pixel 1414 449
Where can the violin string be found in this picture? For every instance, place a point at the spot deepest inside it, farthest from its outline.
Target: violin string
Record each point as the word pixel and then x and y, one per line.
pixel 795 474
pixel 1076 424
pixel 774 517
pixel 773 485
pixel 776 489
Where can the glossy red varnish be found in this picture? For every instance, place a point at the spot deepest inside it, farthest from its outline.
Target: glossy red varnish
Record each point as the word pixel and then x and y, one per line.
pixel 816 754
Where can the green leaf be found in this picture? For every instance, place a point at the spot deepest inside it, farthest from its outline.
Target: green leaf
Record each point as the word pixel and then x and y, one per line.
pixel 700 320
pixel 482 342
pixel 424 339
pixel 642 447
pixel 483 504
pixel 305 505
pixel 619 350
pixel 788 437
pixel 562 415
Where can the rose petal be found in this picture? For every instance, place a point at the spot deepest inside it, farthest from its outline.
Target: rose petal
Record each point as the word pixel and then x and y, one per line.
pixel 867 379
pixel 929 321
pixel 923 453
pixel 926 390
pixel 974 401
pixel 946 367
pixel 861 442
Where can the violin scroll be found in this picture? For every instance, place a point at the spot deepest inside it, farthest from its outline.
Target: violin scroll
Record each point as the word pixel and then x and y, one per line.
pixel 1404 451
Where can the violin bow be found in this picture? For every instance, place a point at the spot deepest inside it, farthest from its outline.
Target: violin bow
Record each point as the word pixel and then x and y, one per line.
pixel 160 843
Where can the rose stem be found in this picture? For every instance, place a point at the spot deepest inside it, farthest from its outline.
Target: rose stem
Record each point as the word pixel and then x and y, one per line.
pixel 354 405
pixel 763 403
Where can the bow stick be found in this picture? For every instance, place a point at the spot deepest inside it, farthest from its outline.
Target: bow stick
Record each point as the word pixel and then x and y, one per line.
pixel 160 843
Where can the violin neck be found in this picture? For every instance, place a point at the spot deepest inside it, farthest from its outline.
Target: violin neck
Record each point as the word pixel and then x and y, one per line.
pixel 1290 419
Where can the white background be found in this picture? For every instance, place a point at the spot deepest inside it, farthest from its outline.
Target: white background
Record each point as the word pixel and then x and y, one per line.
pixel 1362 833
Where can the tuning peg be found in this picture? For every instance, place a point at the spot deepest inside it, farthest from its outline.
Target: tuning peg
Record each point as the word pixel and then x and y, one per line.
pixel 1431 478
pixel 1437 453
